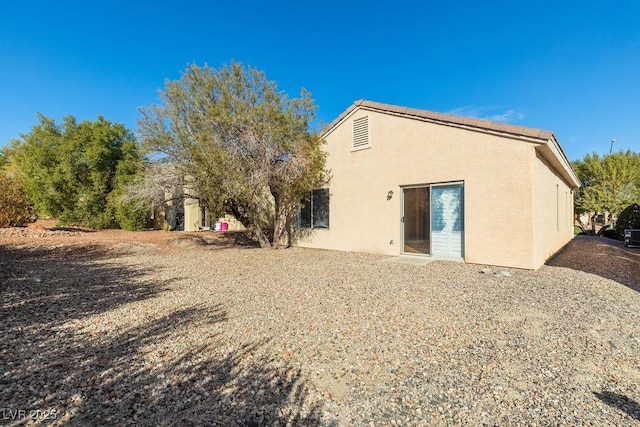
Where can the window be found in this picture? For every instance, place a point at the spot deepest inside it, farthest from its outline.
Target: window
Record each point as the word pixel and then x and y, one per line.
pixel 360 133
pixel 314 212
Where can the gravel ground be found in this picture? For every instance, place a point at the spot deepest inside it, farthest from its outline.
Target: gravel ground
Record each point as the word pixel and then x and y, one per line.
pixel 116 328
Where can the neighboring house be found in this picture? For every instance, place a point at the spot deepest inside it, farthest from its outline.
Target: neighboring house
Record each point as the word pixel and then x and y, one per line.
pixel 169 215
pixel 408 181
pixel 168 218
pixel 198 218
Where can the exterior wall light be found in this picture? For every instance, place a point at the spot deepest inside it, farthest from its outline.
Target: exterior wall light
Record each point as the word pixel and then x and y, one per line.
pixel 389 194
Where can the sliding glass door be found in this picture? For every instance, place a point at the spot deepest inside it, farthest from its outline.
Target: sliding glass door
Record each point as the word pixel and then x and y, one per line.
pixel 416 220
pixel 433 220
pixel 447 220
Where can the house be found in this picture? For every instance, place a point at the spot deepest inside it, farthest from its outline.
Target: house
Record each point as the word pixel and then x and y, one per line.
pixel 413 182
pixel 198 218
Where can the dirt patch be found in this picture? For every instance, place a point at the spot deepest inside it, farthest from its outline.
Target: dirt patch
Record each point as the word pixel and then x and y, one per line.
pixel 48 234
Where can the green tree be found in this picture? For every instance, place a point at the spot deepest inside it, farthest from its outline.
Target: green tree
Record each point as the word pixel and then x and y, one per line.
pixel 245 147
pixel 628 218
pixel 69 171
pixel 610 183
pixel 128 215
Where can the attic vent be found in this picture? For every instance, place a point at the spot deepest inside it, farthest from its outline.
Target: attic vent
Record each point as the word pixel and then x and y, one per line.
pixel 360 132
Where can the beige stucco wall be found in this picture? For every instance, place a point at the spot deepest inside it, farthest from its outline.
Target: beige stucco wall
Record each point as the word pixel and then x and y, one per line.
pixel 233 223
pixel 191 214
pixel 553 205
pixel 498 175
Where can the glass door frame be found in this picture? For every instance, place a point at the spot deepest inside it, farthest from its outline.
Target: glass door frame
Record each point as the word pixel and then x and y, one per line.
pixel 402 217
pixel 403 232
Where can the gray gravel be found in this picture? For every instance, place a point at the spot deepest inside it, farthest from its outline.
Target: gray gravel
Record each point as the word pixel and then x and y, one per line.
pixel 142 334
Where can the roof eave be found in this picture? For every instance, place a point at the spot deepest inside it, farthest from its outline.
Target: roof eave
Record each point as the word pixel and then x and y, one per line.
pixel 553 152
pixel 520 132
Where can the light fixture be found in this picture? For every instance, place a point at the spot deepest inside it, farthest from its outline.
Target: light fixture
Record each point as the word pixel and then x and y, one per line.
pixel 389 194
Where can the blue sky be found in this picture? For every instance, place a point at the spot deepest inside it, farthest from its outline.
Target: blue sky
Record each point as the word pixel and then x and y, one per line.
pixel 572 67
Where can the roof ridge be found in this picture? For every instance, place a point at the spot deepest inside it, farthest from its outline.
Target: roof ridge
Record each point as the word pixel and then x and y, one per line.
pixel 489 125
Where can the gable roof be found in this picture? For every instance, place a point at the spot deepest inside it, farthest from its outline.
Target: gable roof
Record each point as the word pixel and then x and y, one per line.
pixel 549 148
pixel 442 118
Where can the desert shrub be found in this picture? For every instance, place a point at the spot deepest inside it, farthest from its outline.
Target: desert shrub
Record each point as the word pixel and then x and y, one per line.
pixel 15 208
pixel 628 218
pixel 68 171
pixel 132 218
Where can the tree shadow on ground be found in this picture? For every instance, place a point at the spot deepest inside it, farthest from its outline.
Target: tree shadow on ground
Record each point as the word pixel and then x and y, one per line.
pixel 219 240
pixel 51 285
pixel 621 402
pixel 603 257
pixel 71 228
pixel 157 371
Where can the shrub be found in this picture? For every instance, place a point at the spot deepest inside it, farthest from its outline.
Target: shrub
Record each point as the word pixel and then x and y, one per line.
pixel 612 234
pixel 628 218
pixel 603 229
pixel 69 170
pixel 15 208
pixel 132 218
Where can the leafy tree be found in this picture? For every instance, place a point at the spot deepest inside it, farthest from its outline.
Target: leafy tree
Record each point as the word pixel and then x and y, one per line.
pixel 128 215
pixel 15 208
pixel 244 146
pixel 69 171
pixel 609 183
pixel 628 218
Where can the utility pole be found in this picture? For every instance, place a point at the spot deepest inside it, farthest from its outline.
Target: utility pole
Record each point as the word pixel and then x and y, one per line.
pixel 608 214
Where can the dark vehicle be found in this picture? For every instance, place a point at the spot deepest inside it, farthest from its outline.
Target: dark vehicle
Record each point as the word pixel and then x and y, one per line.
pixel 631 237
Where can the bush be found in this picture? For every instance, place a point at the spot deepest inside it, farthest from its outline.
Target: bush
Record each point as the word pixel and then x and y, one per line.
pixel 69 170
pixel 131 218
pixel 612 234
pixel 604 229
pixel 15 208
pixel 628 218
